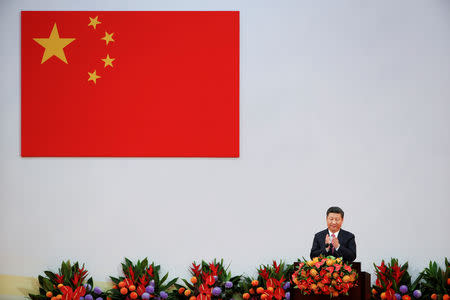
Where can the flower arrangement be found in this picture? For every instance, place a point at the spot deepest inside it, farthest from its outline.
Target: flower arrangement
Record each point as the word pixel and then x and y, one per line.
pixel 141 281
pixel 209 281
pixel 68 284
pixel 435 282
pixel 325 276
pixel 272 283
pixel 394 282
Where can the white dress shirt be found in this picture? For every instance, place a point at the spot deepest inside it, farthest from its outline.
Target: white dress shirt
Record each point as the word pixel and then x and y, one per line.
pixel 331 238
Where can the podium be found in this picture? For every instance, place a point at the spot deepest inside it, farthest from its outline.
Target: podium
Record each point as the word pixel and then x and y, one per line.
pixel 360 292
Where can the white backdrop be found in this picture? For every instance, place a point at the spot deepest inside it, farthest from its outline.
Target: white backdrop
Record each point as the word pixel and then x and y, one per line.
pixel 341 103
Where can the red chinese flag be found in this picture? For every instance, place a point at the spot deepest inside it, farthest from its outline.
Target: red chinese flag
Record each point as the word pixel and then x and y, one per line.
pixel 130 83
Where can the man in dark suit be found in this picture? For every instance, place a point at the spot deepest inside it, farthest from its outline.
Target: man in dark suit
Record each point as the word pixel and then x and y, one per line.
pixel 334 240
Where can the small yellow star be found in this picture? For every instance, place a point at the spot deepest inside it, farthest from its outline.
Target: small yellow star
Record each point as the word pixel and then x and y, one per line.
pixel 108 61
pixel 94 22
pixel 93 76
pixel 108 37
pixel 54 45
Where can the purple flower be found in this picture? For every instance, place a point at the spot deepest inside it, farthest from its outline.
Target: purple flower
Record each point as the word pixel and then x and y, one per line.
pixel 228 284
pixel 216 291
pixel 403 289
pixel 88 297
pixel 417 294
pixel 81 298
pixel 88 287
pixel 288 295
pixel 150 289
pixel 99 298
pixel 145 296
pixel 97 290
pixel 398 296
pixel 163 295
pixel 152 283
pixel 287 285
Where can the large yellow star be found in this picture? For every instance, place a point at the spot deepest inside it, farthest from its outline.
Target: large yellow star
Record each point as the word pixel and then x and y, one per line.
pixel 108 37
pixel 54 45
pixel 108 61
pixel 94 22
pixel 93 76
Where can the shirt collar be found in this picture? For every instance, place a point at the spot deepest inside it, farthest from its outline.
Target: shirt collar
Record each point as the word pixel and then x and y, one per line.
pixel 335 234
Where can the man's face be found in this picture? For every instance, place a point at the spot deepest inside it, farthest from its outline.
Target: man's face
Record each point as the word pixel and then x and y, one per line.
pixel 334 222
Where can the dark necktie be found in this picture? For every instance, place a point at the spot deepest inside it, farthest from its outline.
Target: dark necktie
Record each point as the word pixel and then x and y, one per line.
pixel 332 247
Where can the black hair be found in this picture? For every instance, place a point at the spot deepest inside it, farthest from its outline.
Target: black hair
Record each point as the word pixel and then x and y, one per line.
pixel 335 210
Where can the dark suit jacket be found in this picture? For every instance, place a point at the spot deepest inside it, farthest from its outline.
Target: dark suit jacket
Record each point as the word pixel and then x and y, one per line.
pixel 347 248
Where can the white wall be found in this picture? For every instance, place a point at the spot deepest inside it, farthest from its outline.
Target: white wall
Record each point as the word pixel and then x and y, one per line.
pixel 342 103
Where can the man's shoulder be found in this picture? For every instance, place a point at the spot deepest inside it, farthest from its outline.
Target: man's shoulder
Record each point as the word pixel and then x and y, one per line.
pixel 321 233
pixel 346 233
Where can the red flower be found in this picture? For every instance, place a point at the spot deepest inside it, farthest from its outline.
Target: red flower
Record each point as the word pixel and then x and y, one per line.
pixel 264 274
pixel 195 269
pixel 150 271
pixel 59 279
pixel 131 273
pixel 79 276
pixel 397 273
pixel 337 267
pixel 144 280
pixel 69 294
pixel 277 267
pixel 270 283
pixel 204 292
pixel 390 293
pixel 279 293
pixel 213 269
pixel 140 289
pixel 128 282
pixel 210 280
pixel 203 297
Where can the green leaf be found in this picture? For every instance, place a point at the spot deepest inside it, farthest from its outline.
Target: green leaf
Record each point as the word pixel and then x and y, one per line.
pixel 114 279
pixel 47 284
pixel 51 276
pixel 145 262
pixel 164 278
pixel 190 286
pixel 170 283
pixel 129 263
pixel 41 280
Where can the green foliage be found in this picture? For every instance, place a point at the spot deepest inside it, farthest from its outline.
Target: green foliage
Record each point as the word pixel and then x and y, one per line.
pixel 392 275
pixel 207 277
pixel 272 275
pixel 68 275
pixel 140 275
pixel 434 279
